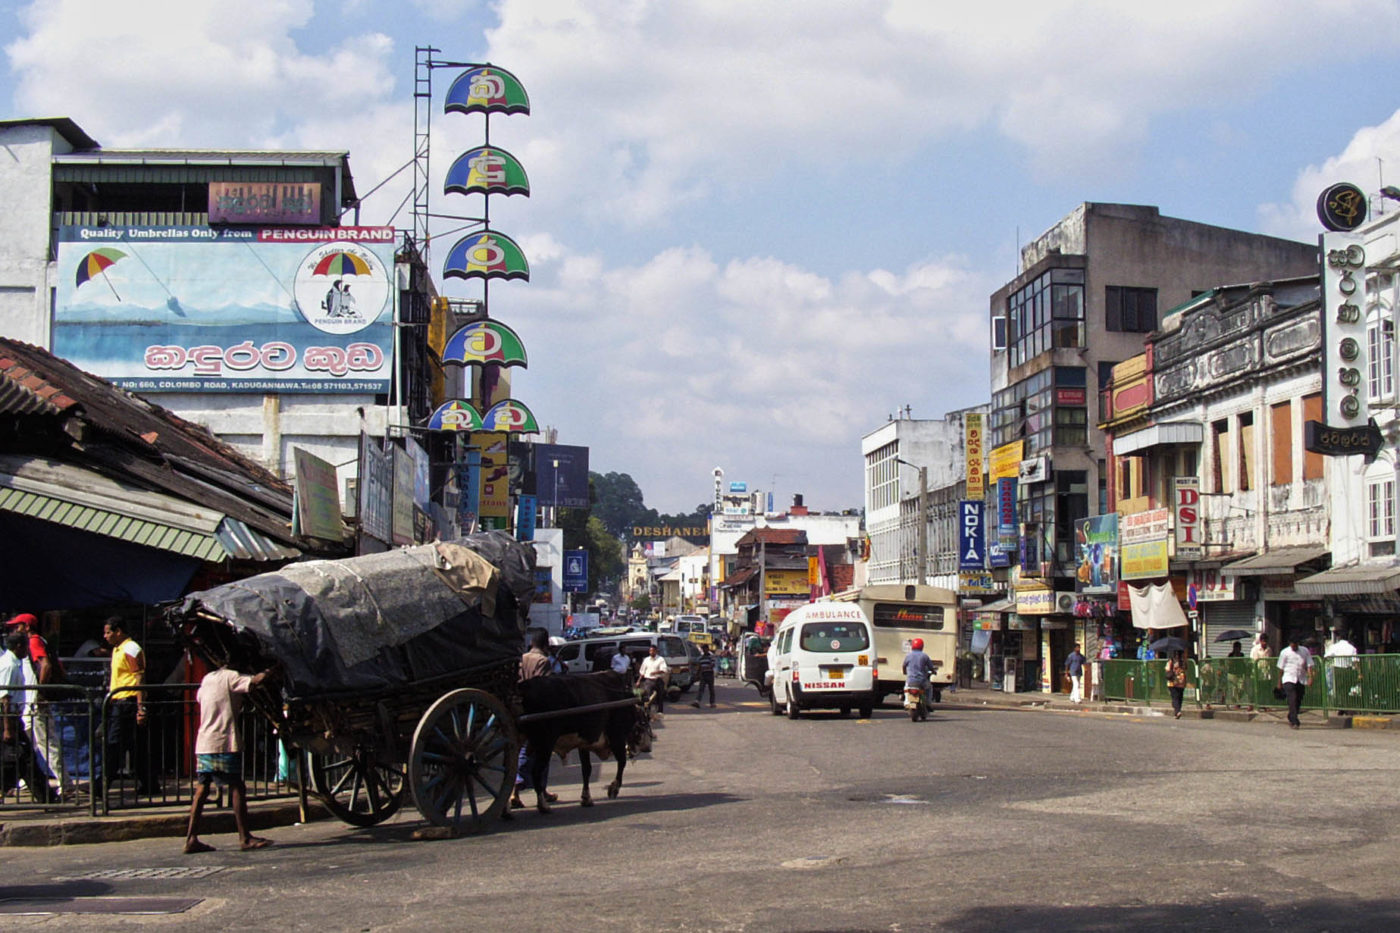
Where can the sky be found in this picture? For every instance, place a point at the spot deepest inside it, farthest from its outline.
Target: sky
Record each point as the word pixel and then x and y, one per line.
pixel 757 228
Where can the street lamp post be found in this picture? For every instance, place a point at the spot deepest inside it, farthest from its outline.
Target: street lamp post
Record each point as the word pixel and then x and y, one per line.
pixel 921 556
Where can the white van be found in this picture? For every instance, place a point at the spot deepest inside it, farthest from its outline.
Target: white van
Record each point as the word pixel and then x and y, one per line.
pixel 823 657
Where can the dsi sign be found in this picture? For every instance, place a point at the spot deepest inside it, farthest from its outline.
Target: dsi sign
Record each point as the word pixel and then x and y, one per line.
pixel 972 552
pixel 576 571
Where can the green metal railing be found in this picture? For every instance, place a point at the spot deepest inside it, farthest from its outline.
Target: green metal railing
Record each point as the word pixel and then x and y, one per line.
pixel 1368 683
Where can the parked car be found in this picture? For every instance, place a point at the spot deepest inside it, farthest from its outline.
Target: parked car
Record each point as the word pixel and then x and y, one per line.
pixel 594 654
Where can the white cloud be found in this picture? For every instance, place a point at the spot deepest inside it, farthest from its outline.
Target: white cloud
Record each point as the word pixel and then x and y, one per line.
pixel 1371 158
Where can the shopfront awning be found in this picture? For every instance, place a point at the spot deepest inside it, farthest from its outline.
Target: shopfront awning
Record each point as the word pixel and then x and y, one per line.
pixel 1001 605
pixel 73 497
pixel 1179 432
pixel 1274 561
pixel 1355 579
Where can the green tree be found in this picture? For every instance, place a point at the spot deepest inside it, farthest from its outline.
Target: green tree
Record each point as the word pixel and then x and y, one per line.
pixel 619 503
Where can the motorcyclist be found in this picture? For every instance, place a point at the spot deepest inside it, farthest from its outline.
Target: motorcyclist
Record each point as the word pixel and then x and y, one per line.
pixel 918 667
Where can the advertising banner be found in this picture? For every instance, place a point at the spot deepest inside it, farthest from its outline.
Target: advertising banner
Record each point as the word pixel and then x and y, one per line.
pixel 972 554
pixel 495 478
pixel 403 496
pixel 1096 544
pixel 561 475
pixel 576 571
pixel 376 490
pixel 1006 460
pixel 1142 544
pixel 525 518
pixel 976 479
pixel 318 497
pixel 196 309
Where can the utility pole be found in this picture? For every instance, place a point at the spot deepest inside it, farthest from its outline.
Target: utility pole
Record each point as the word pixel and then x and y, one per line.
pixel 923 526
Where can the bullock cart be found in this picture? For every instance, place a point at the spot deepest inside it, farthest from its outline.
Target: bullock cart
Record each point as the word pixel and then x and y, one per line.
pixel 396 672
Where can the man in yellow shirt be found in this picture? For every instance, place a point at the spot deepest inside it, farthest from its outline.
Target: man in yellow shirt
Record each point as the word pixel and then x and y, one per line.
pixel 126 719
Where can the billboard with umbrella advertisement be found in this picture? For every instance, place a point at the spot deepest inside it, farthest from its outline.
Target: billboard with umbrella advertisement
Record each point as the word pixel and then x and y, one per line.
pixel 197 309
pixel 1096 542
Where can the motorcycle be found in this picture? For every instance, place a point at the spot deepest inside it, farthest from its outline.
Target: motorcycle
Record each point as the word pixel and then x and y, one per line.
pixel 916 701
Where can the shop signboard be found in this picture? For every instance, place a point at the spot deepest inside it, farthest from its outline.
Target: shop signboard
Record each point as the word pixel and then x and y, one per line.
pixel 1020 623
pixel 987 622
pixel 1187 503
pixel 265 202
pixel 318 497
pixel 971 540
pixel 786 583
pixel 561 475
pixel 1344 331
pixel 1277 587
pixel 1006 460
pixel 200 309
pixel 1142 541
pixel 1096 544
pixel 976 479
pixel 1035 600
pixel 495 476
pixel 1212 585
pixel 976 583
pixel 403 497
pixel 376 490
pixel 576 571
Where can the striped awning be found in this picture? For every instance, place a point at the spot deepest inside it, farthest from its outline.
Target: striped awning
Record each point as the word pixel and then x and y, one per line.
pixel 69 495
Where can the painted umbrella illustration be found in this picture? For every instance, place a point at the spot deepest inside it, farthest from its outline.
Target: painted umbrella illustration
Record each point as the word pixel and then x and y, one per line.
pixel 95 263
pixel 341 263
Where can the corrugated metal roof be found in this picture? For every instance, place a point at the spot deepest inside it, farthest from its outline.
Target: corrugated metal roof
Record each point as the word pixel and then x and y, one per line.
pixel 1374 578
pixel 76 498
pixel 1274 561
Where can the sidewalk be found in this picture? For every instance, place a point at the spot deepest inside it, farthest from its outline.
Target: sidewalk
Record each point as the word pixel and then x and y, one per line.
pixel 40 827
pixel 983 695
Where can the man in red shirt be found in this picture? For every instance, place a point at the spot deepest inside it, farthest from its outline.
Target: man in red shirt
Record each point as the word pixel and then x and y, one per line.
pixel 44 732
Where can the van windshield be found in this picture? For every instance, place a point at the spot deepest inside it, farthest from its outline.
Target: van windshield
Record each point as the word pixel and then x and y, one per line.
pixel 834 636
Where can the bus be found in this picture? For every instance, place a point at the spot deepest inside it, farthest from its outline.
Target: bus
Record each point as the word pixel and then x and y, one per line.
pixel 901 612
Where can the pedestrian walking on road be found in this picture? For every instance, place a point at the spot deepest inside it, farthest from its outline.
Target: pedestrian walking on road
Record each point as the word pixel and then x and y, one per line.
pixel 1294 676
pixel 1176 681
pixel 218 756
pixel 707 677
pixel 1074 667
pixel 537 662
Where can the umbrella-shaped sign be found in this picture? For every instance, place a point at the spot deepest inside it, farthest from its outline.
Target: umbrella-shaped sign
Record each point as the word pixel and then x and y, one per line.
pixel 486 255
pixel 455 415
pixel 486 89
pixel 487 170
pixel 1168 644
pixel 510 415
pixel 96 263
pixel 485 342
pixel 1234 634
pixel 341 263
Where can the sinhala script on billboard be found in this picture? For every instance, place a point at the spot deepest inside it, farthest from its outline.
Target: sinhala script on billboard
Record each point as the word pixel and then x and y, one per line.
pixel 183 309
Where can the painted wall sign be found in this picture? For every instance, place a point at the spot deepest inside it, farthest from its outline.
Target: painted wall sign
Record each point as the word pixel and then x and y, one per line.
pixel 1186 498
pixel 197 309
pixel 972 440
pixel 972 554
pixel 1344 329
pixel 245 202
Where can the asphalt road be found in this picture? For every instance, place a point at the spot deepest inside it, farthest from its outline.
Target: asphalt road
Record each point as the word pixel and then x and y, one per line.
pixel 979 819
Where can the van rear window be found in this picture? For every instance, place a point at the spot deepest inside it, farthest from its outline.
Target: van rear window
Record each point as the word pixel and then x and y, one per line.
pixel 834 636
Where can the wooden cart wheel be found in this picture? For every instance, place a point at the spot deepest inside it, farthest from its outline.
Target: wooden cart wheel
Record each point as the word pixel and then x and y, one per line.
pixel 461 765
pixel 357 788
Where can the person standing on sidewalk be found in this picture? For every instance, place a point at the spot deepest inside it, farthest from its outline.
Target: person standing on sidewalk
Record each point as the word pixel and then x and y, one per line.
pixel 707 677
pixel 1176 681
pixel 1074 667
pixel 1294 676
pixel 40 723
pixel 217 755
pixel 126 724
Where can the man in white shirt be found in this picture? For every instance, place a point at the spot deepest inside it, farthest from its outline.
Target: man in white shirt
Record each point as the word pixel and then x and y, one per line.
pixel 1294 676
pixel 1343 674
pixel 651 677
pixel 620 662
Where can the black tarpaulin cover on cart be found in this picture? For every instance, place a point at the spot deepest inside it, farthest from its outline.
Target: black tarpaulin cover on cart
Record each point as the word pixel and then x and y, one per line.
pixel 383 620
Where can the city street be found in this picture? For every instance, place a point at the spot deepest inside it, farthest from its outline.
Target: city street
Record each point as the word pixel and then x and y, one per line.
pixel 979 819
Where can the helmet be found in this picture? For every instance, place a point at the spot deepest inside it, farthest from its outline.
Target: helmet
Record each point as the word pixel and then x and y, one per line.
pixel 917 644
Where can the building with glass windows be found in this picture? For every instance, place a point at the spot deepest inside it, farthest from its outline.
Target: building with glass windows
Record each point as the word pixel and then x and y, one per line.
pixel 1088 294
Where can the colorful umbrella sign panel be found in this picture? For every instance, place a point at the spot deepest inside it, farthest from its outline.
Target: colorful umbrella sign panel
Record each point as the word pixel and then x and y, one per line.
pixel 485 342
pixel 486 255
pixel 455 415
pixel 486 89
pixel 510 415
pixel 487 170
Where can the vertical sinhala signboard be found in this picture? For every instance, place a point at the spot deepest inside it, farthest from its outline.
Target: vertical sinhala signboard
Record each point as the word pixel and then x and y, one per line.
pixel 1344 330
pixel 972 440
